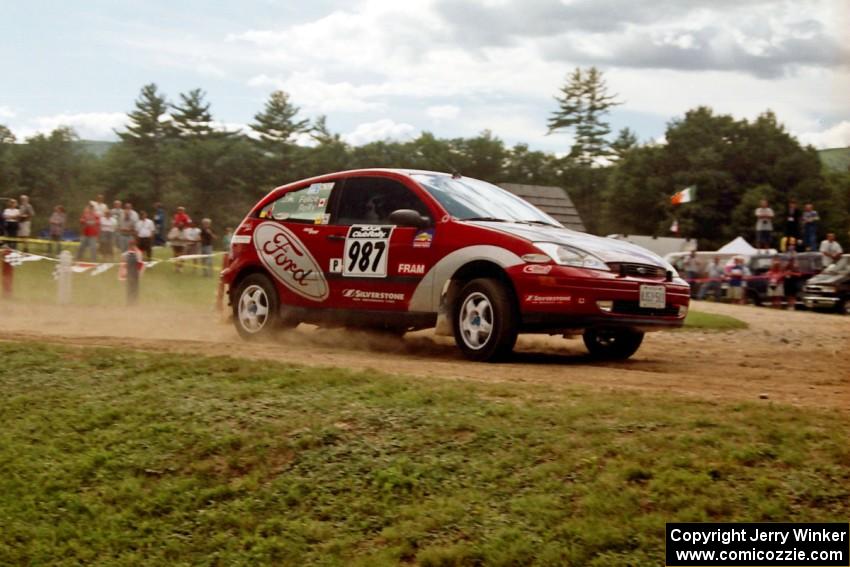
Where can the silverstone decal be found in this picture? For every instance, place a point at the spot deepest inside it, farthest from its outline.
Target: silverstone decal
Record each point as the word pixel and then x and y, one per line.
pixel 372 296
pixel 414 269
pixel 548 299
pixel 423 238
pixel 366 251
pixel 289 261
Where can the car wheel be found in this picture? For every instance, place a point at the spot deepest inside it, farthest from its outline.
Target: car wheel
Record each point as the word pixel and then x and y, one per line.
pixel 485 320
pixel 256 310
pixel 612 344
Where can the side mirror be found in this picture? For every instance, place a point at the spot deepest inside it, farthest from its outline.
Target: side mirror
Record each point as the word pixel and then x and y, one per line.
pixel 408 217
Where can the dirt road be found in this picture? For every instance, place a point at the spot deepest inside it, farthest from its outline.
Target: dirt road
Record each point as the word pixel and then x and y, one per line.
pixel 796 358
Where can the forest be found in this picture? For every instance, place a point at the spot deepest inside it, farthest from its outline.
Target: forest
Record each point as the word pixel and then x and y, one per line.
pixel 173 151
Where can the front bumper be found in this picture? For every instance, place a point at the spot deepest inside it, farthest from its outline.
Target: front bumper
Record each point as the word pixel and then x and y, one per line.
pixel 573 298
pixel 812 301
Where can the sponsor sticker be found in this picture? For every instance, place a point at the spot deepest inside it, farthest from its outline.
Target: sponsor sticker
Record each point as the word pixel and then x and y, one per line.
pixel 241 239
pixel 531 298
pixel 372 296
pixel 289 261
pixel 366 251
pixel 423 238
pixel 311 231
pixel 536 269
pixel 336 266
pixel 415 269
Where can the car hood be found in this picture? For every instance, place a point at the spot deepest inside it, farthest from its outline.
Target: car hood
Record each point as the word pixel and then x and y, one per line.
pixel 828 279
pixel 606 249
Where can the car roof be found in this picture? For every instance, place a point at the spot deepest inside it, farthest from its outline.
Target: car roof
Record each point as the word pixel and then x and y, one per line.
pixel 365 171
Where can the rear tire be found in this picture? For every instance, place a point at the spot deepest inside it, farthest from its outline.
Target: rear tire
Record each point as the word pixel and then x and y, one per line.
pixel 485 320
pixel 256 307
pixel 612 344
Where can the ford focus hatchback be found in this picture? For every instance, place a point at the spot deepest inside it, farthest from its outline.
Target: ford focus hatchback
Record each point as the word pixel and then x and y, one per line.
pixel 403 250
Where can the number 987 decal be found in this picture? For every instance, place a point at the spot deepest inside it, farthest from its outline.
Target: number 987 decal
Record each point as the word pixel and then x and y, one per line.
pixel 366 251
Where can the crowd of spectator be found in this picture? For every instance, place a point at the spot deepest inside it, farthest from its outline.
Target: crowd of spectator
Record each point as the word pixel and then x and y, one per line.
pixel 106 232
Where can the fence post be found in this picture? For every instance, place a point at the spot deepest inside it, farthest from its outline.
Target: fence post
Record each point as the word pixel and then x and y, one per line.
pixel 133 261
pixel 64 278
pixel 8 273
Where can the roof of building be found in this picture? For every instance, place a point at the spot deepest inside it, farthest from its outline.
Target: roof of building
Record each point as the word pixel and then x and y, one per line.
pixel 554 201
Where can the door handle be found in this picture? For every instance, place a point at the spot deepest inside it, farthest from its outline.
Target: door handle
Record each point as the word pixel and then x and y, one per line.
pixel 335 237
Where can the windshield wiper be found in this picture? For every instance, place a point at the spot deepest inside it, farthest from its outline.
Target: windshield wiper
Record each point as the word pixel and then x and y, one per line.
pixel 488 219
pixel 540 222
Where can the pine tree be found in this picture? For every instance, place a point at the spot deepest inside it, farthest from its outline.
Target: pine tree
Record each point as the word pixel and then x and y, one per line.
pixel 583 103
pixel 276 124
pixel 626 140
pixel 192 117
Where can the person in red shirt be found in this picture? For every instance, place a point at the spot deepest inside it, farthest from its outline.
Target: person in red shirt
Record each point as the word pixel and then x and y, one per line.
pixel 180 218
pixel 89 232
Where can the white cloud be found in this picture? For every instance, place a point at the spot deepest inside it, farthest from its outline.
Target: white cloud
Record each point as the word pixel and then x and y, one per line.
pixel 309 91
pixel 6 112
pixel 838 136
pixel 380 130
pixel 443 112
pixel 87 125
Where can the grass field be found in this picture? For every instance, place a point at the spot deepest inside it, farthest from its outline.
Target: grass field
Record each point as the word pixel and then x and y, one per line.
pixel 142 458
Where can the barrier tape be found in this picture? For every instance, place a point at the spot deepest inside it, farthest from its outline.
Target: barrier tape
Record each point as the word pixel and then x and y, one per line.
pixel 16 257
pixel 745 278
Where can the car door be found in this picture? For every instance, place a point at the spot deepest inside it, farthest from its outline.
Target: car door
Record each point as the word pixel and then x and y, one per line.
pixel 291 241
pixel 376 265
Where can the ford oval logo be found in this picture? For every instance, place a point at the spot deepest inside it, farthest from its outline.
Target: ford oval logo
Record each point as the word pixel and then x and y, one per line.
pixel 289 261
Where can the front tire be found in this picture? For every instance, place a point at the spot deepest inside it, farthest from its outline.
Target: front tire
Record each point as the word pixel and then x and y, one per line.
pixel 612 344
pixel 256 307
pixel 485 320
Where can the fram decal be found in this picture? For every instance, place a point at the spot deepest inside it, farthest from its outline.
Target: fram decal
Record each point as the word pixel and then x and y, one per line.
pixel 536 269
pixel 423 238
pixel 414 269
pixel 548 298
pixel 378 296
pixel 289 261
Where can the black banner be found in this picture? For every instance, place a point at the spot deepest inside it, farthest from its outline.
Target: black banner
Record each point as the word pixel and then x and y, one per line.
pixel 757 544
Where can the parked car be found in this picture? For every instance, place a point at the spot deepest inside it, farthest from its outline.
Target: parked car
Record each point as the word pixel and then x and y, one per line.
pixel 831 288
pixel 808 264
pixel 404 250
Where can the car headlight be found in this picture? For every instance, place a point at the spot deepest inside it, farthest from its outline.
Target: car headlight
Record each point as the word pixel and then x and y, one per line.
pixel 569 256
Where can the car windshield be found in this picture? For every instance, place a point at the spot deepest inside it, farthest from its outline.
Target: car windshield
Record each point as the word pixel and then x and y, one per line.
pixel 470 199
pixel 840 267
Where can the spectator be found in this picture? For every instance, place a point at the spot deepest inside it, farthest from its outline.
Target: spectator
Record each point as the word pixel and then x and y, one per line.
pixel 831 250
pixel 56 229
pixel 89 231
pixel 810 220
pixel 145 231
pixel 116 210
pixel 228 236
pixel 792 220
pixel 791 245
pixel 126 226
pixel 11 218
pixel 108 226
pixel 99 207
pixel 737 274
pixel 181 218
pixel 25 221
pixel 691 266
pixel 776 283
pixel 193 241
pixel 207 237
pixel 177 240
pixel 159 222
pixel 715 275
pixel 792 281
pixel 764 226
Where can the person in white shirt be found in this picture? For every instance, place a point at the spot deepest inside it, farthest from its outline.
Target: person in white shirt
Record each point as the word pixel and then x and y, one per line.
pixel 99 206
pixel 108 224
pixel 145 229
pixel 764 225
pixel 831 249
pixel 11 218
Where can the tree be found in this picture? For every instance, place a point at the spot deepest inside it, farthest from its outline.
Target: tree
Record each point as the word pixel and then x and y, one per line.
pixel 626 141
pixel 8 171
pixel 192 118
pixel 277 128
pixel 147 136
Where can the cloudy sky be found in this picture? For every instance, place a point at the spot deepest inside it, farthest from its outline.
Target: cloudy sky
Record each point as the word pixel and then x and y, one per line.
pixel 387 69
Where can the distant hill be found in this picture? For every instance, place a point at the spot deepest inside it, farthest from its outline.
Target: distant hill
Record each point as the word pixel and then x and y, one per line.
pixel 835 159
pixel 94 147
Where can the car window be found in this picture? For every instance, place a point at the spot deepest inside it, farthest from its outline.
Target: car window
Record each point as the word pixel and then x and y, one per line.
pixel 371 200
pixel 306 205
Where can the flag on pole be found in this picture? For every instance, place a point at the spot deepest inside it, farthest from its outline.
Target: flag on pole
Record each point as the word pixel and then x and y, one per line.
pixel 674 228
pixel 686 195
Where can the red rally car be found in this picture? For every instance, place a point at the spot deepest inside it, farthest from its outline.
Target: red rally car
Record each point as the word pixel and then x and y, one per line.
pixel 403 250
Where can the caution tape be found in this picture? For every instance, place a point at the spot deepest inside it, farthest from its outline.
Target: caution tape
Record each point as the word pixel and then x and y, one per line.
pixel 27 240
pixel 15 258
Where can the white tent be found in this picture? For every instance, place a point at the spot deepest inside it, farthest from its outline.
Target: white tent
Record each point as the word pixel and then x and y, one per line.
pixel 738 246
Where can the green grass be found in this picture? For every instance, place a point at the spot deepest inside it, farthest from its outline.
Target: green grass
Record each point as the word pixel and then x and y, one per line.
pixel 698 320
pixel 118 457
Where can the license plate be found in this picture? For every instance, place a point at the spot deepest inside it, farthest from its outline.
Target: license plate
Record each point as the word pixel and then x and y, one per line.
pixel 652 297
